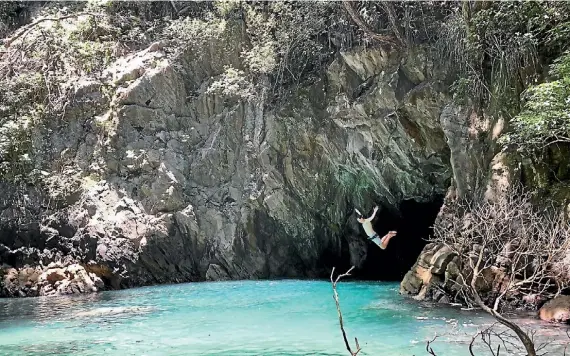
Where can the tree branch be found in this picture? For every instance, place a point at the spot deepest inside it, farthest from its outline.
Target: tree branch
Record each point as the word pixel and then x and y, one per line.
pixel 525 339
pixel 22 32
pixel 520 250
pixel 389 10
pixel 429 349
pixel 335 296
pixel 364 26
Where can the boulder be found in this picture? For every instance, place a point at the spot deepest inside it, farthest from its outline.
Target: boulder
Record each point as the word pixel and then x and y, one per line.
pixel 216 273
pixel 54 275
pixel 441 259
pixel 556 310
pixel 19 282
pixel 429 270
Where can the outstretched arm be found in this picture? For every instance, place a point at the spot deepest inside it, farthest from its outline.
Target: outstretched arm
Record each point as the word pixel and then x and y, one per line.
pixel 373 214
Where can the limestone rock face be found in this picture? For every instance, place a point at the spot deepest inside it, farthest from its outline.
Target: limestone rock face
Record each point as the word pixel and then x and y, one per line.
pixel 166 182
pixel 480 171
pixel 556 310
pixel 438 276
pixel 429 271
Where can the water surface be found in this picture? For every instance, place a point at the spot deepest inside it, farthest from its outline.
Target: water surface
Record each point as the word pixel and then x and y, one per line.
pixel 268 318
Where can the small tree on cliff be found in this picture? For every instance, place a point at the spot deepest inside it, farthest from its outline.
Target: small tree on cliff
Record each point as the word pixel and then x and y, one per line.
pixel 507 250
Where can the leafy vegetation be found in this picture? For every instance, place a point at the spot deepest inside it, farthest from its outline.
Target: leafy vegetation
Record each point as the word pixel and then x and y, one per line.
pixel 496 48
pixel 42 62
pixel 288 45
pixel 545 119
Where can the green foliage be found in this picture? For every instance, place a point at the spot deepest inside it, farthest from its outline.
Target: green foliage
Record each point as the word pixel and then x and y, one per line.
pixel 226 7
pixel 545 118
pixel 232 83
pixel 495 50
pixel 287 43
pixel 189 33
pixel 39 71
pixel 21 106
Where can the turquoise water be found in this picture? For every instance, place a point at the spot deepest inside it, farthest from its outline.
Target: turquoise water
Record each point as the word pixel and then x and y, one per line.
pixel 233 318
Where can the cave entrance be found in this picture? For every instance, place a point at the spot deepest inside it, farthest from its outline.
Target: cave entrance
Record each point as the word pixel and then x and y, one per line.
pixel 413 221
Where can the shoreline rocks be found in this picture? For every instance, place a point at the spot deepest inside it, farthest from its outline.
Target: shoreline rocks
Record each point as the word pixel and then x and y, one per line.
pixel 435 266
pixel 53 280
pixel 556 310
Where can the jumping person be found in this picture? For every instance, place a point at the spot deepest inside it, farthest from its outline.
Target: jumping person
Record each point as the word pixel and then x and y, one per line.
pixel 372 235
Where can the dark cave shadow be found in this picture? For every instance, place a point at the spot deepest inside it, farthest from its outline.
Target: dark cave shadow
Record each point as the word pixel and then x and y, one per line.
pixel 414 225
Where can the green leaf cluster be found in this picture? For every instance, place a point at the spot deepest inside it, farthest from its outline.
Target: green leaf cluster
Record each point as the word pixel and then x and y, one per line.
pixel 545 118
pixel 496 48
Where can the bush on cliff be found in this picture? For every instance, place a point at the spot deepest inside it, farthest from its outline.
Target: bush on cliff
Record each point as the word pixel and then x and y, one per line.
pixel 496 48
pixel 42 62
pixel 545 119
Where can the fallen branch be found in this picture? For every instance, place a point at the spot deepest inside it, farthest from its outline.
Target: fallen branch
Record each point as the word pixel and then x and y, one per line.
pixel 335 296
pixel 429 349
pixel 522 247
pixel 24 30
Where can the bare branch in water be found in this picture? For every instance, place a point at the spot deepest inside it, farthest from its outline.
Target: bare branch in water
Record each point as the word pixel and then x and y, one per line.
pixel 335 296
pixel 429 349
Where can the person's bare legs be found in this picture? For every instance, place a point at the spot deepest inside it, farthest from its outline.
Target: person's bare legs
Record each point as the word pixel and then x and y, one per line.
pixel 386 239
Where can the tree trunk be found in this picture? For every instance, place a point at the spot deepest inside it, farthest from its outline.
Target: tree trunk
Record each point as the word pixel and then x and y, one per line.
pixel 523 337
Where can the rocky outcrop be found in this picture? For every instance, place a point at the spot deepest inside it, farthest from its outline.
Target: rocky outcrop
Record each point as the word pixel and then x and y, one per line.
pixel 556 310
pixel 53 280
pixel 163 181
pixel 435 271
pixel 438 275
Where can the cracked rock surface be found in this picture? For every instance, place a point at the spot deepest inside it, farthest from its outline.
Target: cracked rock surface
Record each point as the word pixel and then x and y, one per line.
pixel 162 182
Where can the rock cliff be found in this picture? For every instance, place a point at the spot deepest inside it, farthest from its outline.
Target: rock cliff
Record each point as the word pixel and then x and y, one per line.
pixel 222 141
pixel 149 177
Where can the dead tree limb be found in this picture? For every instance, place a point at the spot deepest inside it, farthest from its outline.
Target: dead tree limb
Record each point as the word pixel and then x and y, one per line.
pixel 22 32
pixel 391 13
pixel 515 247
pixel 335 296
pixel 429 349
pixel 364 26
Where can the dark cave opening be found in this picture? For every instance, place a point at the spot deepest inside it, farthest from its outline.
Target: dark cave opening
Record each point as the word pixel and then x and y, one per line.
pixel 413 221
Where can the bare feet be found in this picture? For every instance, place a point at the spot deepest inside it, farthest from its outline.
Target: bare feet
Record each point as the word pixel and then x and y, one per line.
pixel 386 239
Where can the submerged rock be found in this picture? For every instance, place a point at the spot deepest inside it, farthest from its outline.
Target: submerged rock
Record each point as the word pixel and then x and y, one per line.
pixel 112 311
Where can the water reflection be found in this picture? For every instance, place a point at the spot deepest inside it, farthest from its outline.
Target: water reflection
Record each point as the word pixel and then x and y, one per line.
pixel 42 308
